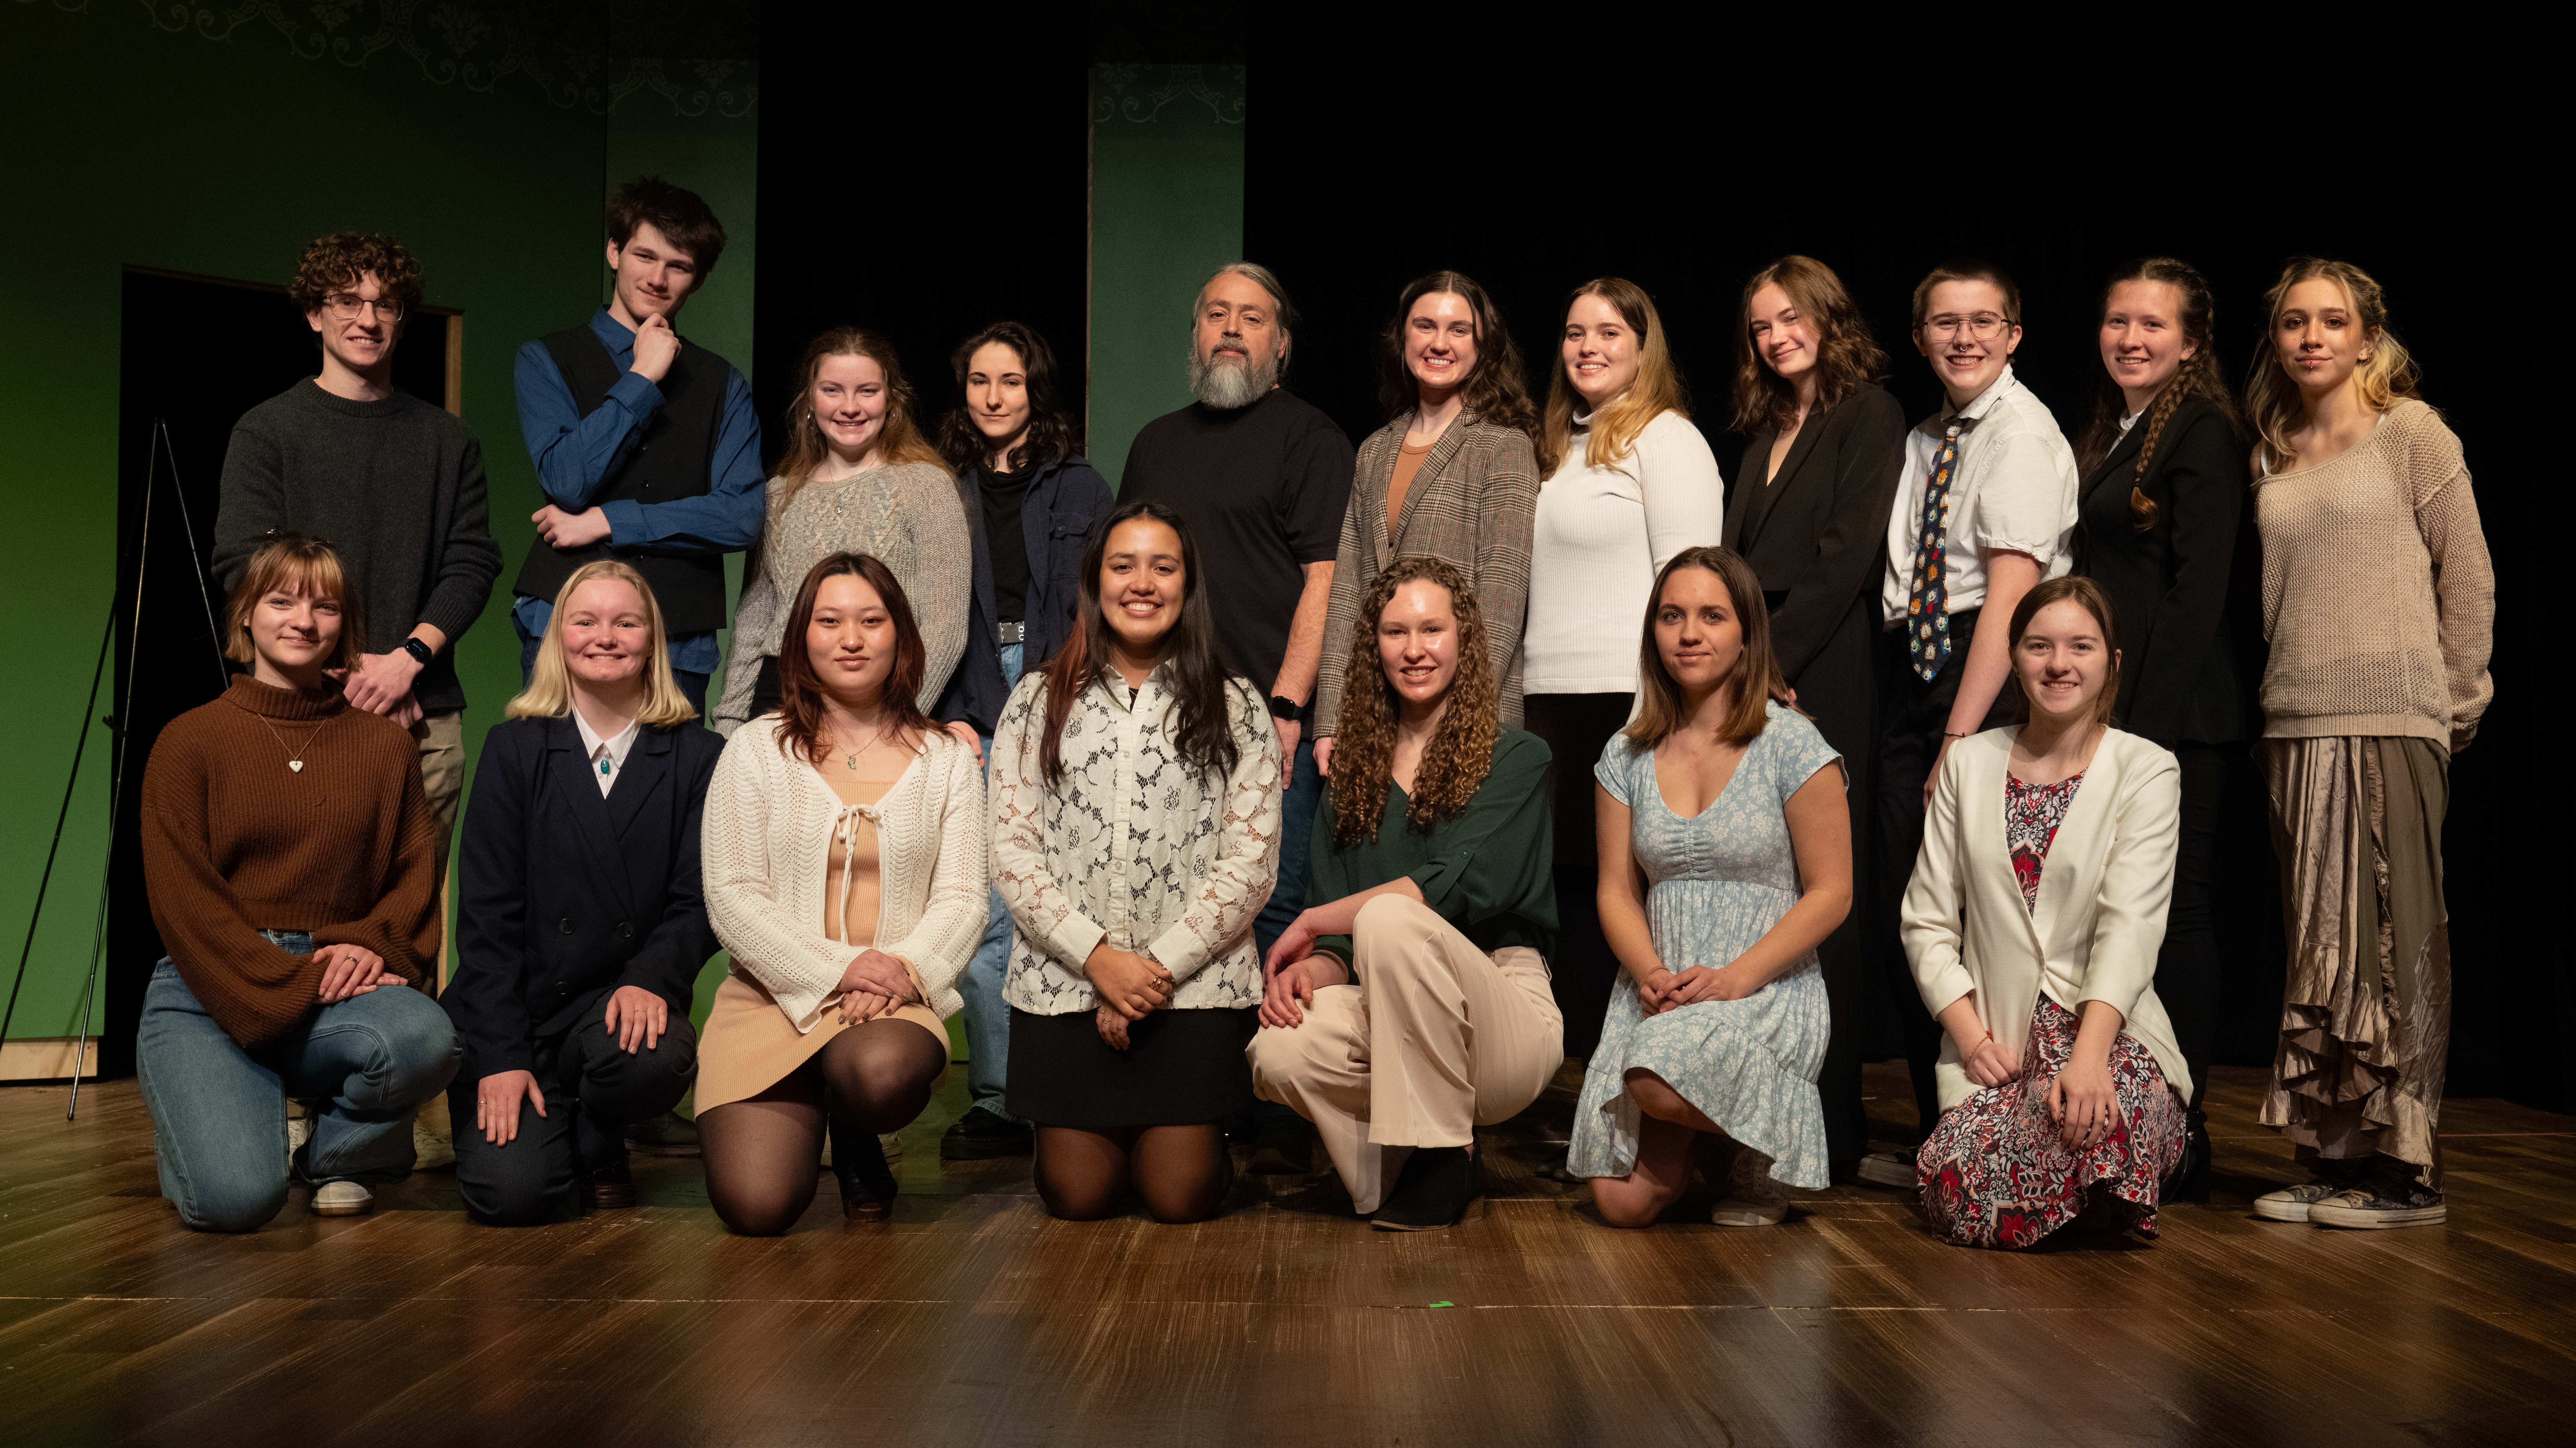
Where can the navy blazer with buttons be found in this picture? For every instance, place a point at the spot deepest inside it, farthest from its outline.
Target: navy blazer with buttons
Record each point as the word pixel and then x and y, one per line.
pixel 566 895
pixel 1065 499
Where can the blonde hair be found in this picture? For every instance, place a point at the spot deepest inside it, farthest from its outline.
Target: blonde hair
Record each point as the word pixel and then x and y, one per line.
pixel 2272 403
pixel 899 436
pixel 549 691
pixel 1657 390
pixel 299 565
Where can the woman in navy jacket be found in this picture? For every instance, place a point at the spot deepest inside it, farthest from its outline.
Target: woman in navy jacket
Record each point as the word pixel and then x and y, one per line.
pixel 581 930
pixel 1032 502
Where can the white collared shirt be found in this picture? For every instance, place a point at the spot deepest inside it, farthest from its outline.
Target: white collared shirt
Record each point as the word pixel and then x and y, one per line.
pixel 2014 489
pixel 607 756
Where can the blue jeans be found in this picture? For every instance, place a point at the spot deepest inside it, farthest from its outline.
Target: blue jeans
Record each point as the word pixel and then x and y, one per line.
pixel 691 682
pixel 219 1111
pixel 988 1017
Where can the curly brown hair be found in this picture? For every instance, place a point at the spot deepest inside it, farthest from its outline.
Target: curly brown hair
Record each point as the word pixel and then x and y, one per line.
pixel 335 263
pixel 1454 764
pixel 1848 358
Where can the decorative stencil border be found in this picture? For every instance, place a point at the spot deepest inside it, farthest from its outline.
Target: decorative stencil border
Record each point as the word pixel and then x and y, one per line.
pixel 1139 94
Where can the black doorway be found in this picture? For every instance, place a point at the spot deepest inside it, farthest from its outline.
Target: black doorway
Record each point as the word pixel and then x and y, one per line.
pixel 170 448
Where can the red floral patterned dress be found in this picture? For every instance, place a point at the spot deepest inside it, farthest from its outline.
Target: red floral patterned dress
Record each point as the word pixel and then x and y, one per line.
pixel 1996 1172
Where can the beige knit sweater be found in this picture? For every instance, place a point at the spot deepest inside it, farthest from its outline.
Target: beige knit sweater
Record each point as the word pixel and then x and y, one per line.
pixel 908 516
pixel 2378 597
pixel 766 846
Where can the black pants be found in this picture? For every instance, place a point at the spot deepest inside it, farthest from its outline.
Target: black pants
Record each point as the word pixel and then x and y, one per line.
pixel 2187 968
pixel 1582 975
pixel 1912 717
pixel 593 1088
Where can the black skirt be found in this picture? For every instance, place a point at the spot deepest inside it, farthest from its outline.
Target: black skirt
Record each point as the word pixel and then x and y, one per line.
pixel 1180 1068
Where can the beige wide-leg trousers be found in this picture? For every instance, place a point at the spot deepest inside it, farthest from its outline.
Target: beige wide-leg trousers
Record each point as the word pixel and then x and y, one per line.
pixel 1436 1038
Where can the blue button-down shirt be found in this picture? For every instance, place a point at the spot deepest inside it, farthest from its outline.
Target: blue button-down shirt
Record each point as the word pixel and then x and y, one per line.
pixel 573 453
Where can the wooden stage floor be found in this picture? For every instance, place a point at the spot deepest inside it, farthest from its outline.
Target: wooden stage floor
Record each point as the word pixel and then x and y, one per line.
pixel 973 1319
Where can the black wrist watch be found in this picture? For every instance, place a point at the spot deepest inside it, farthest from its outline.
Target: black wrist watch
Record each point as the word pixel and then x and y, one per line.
pixel 419 651
pixel 1282 707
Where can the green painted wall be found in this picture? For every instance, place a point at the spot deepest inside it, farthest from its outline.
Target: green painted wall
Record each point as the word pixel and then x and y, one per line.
pixel 129 144
pixel 1166 210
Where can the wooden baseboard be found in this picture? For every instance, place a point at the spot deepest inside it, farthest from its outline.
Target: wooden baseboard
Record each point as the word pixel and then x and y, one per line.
pixel 46 1059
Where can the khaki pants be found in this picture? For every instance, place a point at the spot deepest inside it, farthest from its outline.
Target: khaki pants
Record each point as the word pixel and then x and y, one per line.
pixel 1434 1040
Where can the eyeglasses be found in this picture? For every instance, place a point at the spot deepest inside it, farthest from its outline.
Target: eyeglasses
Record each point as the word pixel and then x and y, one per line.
pixel 348 307
pixel 1984 326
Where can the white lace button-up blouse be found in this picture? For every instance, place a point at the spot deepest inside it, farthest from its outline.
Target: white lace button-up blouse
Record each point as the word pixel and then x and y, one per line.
pixel 1134 847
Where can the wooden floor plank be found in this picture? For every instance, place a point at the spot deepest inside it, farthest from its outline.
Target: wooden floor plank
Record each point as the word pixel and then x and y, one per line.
pixel 972 1318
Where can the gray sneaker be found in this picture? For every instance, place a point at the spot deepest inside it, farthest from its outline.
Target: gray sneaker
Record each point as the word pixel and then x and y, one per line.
pixel 2367 1207
pixel 2291 1204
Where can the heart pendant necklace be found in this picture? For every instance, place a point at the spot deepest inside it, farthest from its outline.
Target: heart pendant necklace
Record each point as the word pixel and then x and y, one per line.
pixel 294 758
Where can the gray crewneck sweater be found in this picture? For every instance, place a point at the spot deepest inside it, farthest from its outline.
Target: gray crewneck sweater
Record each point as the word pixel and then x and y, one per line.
pixel 395 487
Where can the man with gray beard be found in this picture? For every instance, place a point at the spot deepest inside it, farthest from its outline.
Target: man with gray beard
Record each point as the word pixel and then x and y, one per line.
pixel 1262 477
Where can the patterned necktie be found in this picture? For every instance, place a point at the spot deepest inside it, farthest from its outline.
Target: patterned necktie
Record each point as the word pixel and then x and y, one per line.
pixel 1927 609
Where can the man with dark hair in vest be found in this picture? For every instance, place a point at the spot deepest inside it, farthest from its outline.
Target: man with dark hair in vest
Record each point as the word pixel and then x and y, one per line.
pixel 646 444
pixel 648 450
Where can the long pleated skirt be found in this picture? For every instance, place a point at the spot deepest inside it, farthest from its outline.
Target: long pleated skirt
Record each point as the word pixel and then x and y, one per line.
pixel 2366 1017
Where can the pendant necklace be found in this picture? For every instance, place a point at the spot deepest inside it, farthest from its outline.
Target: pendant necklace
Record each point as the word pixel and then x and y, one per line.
pixel 294 758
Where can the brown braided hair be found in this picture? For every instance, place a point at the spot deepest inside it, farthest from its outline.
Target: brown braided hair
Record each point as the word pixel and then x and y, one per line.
pixel 1461 750
pixel 2197 376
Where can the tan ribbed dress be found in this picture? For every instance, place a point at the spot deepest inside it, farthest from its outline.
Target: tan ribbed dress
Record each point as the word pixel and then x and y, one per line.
pixel 749 1044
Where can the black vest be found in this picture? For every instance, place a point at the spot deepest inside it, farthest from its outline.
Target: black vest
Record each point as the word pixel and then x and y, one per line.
pixel 668 461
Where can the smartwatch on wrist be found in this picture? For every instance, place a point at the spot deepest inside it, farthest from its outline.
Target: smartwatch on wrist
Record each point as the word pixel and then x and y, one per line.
pixel 1282 707
pixel 419 651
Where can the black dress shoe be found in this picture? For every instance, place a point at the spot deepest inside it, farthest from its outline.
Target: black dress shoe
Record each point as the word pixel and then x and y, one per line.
pixel 981 1135
pixel 669 1134
pixel 2191 1178
pixel 1433 1191
pixel 867 1183
pixel 608 1186
pixel 1282 1145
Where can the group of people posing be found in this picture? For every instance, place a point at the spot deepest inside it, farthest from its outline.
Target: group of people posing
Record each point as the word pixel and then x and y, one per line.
pixel 1293 795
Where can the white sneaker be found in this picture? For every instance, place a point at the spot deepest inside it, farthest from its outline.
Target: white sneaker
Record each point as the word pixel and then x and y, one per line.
pixel 299 1130
pixel 1752 1198
pixel 2290 1204
pixel 341 1199
pixel 1888 1169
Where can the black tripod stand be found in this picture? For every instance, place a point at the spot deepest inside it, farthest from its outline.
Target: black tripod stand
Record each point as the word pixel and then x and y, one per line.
pixel 118 723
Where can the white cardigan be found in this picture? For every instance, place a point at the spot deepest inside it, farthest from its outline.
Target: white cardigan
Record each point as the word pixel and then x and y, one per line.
pixel 2102 899
pixel 767 841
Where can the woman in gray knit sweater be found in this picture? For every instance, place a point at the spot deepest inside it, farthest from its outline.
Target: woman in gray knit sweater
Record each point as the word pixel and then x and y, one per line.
pixel 858 478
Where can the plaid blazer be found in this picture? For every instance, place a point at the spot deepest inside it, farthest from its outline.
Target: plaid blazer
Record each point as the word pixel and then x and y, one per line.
pixel 1472 502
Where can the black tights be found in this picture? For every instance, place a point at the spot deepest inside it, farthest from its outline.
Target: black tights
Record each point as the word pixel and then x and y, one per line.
pixel 1181 1171
pixel 761 1153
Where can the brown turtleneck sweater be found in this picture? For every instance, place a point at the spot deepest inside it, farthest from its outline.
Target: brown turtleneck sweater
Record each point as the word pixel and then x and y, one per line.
pixel 235 842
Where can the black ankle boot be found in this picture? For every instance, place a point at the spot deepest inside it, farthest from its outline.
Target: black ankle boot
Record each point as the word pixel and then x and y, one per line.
pixel 867 1183
pixel 2191 1178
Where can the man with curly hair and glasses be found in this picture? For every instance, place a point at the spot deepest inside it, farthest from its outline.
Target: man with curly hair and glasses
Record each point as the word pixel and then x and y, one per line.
pixel 393 483
pixel 647 444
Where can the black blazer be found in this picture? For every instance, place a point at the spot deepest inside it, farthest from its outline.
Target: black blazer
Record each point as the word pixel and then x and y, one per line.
pixel 567 895
pixel 1816 536
pixel 2170 585
pixel 1065 499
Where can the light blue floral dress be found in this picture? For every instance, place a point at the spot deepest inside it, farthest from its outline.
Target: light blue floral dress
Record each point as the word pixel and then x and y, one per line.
pixel 1716 884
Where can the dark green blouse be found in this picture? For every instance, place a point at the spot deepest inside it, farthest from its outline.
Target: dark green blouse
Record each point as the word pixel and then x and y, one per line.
pixel 1489 871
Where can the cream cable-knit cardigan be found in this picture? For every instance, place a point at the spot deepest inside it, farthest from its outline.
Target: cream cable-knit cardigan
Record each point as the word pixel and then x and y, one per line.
pixel 767 841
